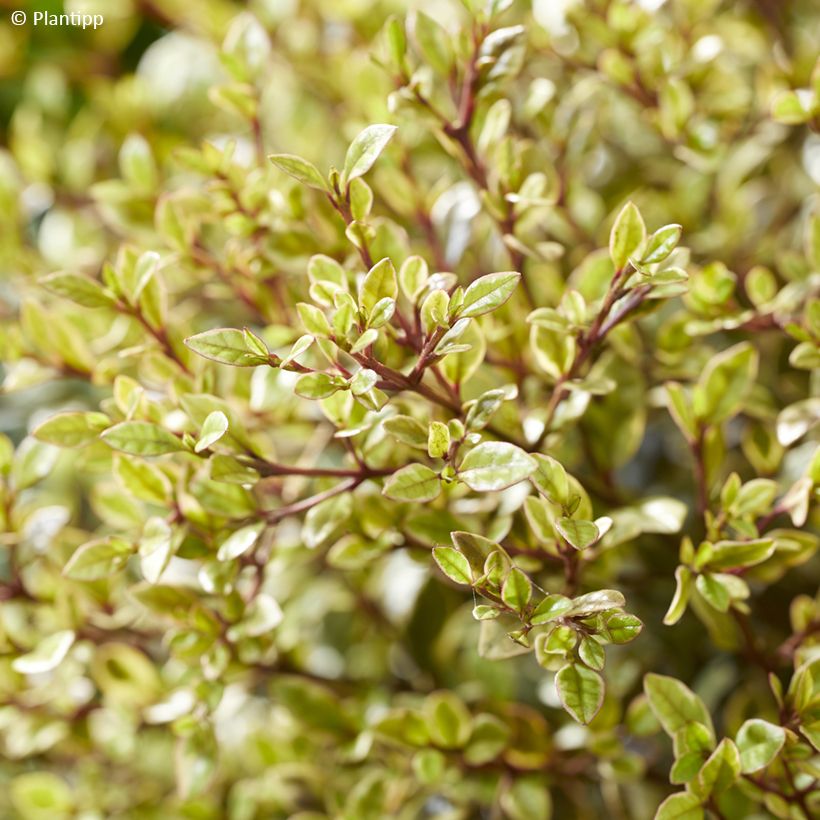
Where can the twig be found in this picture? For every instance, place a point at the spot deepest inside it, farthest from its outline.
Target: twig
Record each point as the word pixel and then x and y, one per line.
pixel 306 503
pixel 601 325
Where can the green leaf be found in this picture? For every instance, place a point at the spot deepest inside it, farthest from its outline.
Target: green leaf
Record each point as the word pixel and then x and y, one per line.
pixel 591 652
pixel 155 549
pixel 517 590
pixel 488 739
pixel 314 320
pixel 623 627
pixel 396 40
pixel 433 42
pixel 736 554
pixel 527 798
pixel 361 199
pixel 407 430
pixel 694 737
pixel 465 358
pixel 33 461
pixel 476 549
pixel 680 806
pixel 806 356
pixel 755 497
pixel 496 124
pixel 578 534
pixel 227 346
pixel 487 293
pixel 235 98
pixel 724 383
pixel 560 640
pixel 550 479
pixel 142 480
pixel 581 691
pixel 715 593
pixel 495 568
pixel 485 612
pixel 214 427
pixel 380 283
pixel 554 350
pixel 495 465
pixel 448 720
pixel 680 408
pixel 661 244
pixel 98 559
pixel 429 765
pixel 794 421
pixel 415 482
pixel 231 470
pixel 683 589
pixel 300 169
pixel 365 150
pixel 482 409
pixel 434 310
pixel 759 742
pixel 365 340
pixel 144 270
pixel 403 726
pixel 324 269
pixel 453 564
pixel 413 276
pixel 47 655
pixel 71 429
pixel 720 771
pixel 674 704
pixel 79 289
pixel 136 162
pixel 382 312
pixel 551 607
pixel 318 385
pixel 598 601
pixel 438 440
pixel 627 236
pixel 448 342
pixel 363 382
pixel 142 438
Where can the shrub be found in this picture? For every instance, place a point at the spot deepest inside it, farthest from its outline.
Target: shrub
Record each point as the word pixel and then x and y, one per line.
pixel 443 462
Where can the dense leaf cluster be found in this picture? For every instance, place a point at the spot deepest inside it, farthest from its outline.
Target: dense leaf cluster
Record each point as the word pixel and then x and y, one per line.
pixel 475 475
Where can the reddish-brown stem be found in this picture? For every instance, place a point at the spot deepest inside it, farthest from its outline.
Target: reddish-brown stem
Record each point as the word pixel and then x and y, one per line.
pixel 311 501
pixel 601 325
pixel 270 469
pixel 701 482
pixel 459 132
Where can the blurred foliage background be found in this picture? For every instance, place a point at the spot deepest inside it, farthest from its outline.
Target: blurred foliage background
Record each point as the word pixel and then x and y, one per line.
pixel 359 687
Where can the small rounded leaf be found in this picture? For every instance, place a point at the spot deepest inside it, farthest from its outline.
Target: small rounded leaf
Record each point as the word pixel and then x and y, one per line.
pixel 581 691
pixel 627 236
pixel 759 742
pixel 453 564
pixel 365 150
pixel 300 169
pixel 495 465
pixel 142 438
pixel 415 482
